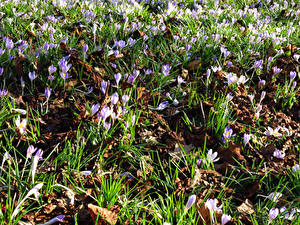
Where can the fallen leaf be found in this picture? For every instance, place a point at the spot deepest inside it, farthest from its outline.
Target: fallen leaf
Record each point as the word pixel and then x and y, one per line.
pixel 246 208
pixel 105 216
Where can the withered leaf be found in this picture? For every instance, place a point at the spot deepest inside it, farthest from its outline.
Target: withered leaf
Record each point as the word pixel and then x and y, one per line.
pixel 105 216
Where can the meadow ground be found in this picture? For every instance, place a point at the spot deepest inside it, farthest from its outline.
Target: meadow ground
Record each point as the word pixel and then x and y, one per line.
pixel 149 112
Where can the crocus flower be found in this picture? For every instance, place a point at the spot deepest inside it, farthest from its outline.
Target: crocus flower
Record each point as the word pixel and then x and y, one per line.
pixel 9 44
pixel 2 51
pixel 246 138
pixel 162 105
pixel 1 70
pixel 190 202
pixel 199 161
pixel 36 158
pixel 3 93
pixel 64 66
pixel 95 109
pixel 278 154
pixel 258 63
pixel 105 112
pixel 225 219
pixel 212 157
pixel 263 95
pixel 125 98
pixel 30 150
pixel 227 134
pixel 251 97
pixel 261 83
pixel 273 213
pixel 34 191
pixel 21 125
pixel 231 78
pixel 103 86
pixel 114 98
pixel 118 77
pixel 242 80
pixel 294 84
pixel 51 69
pixel 166 69
pixel 85 48
pixel 276 70
pixel 292 75
pixel 56 219
pixel 211 204
pixel 274 196
pixel 271 132
pixel 47 92
pixel 32 75
pixel 180 80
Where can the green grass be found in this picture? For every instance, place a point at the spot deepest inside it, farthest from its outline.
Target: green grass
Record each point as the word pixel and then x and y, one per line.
pixel 137 160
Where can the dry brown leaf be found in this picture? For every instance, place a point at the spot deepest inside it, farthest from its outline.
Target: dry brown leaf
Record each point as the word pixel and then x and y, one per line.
pixel 105 216
pixel 194 65
pixel 246 207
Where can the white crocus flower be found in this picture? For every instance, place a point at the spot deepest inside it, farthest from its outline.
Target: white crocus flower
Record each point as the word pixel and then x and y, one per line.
pixel 212 157
pixel 34 191
pixel 21 125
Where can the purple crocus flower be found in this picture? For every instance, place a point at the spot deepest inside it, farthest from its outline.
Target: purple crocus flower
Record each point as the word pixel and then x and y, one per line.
pixel 121 44
pixel 278 154
pixel 188 47
pixel 64 75
pixel 30 150
pixel 107 125
pixel 125 98
pixel 63 64
pixel 261 83
pixel 1 70
pixel 166 70
pixel 85 48
pixel 227 134
pixel 95 109
pixel 3 93
pixel 47 92
pixel 118 77
pixel 36 158
pixel 258 63
pixel 276 70
pixel 190 202
pixel 104 86
pixel 162 105
pixel 32 75
pixel 199 162
pixel 9 44
pixel 52 69
pixel 274 196
pixel 114 98
pixel 56 219
pixel 2 51
pixel 104 113
pixel 292 75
